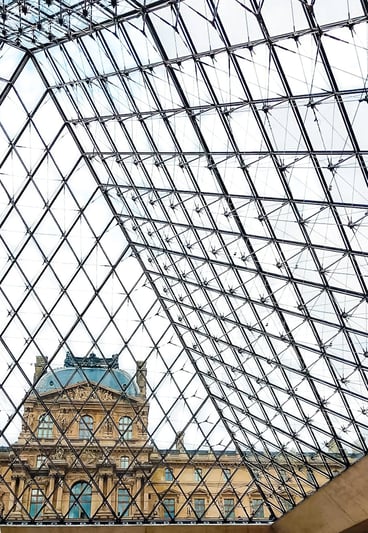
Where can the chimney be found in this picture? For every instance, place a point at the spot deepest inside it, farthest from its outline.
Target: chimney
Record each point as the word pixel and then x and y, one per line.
pixel 141 377
pixel 40 367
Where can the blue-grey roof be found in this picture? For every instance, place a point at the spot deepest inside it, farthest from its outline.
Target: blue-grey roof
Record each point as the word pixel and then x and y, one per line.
pixel 112 378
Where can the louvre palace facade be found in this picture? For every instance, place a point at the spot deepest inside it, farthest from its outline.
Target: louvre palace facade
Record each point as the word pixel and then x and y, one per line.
pixel 84 451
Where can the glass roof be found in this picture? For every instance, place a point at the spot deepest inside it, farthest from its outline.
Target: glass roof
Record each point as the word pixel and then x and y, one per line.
pixel 184 182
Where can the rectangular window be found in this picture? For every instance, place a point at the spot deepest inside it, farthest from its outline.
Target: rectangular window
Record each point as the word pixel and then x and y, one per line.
pixel 229 509
pixel 124 462
pixel 41 461
pixel 169 508
pixel 45 427
pixel 169 474
pixel 86 427
pixel 226 474
pixel 36 504
pixel 126 428
pixel 257 508
pixel 123 502
pixel 198 474
pixel 199 507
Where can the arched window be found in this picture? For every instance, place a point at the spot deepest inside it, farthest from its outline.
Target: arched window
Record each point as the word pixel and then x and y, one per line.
pixel 45 427
pixel 86 427
pixel 125 428
pixel 80 500
pixel 124 462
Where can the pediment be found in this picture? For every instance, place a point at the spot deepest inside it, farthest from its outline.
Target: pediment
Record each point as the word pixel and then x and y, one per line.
pixel 81 393
pixel 200 492
pixel 169 492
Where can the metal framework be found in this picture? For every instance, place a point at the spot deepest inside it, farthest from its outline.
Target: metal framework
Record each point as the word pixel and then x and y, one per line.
pixel 185 182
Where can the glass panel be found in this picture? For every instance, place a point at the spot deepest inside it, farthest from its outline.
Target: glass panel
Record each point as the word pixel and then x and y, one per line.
pixel 229 510
pixel 125 428
pixel 86 427
pixel 169 508
pixel 168 474
pixel 80 500
pixel 183 256
pixel 37 503
pixel 198 475
pixel 41 461
pixel 123 502
pixel 199 507
pixel 257 508
pixel 45 426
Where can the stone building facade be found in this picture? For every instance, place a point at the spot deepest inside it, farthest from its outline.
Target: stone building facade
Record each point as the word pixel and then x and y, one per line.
pixel 84 452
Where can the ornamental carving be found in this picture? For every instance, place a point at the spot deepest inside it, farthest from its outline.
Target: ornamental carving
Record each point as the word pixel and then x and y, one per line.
pixel 62 418
pixel 89 456
pixel 59 454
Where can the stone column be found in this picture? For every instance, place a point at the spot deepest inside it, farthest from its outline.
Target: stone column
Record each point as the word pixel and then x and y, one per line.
pixel 139 501
pixel 49 511
pixel 17 496
pixel 109 488
pixel 145 507
pixel 59 495
pixel 12 492
pixel 104 487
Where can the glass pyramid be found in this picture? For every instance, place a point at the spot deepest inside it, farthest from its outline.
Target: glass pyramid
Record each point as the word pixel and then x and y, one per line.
pixel 184 185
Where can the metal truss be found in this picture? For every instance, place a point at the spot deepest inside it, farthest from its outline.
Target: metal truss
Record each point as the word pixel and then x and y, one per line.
pixel 185 183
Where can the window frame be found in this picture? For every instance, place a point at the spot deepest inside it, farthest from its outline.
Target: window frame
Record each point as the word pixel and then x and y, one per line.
pixel 80 500
pixel 41 461
pixel 226 474
pixel 36 503
pixel 123 502
pixel 126 428
pixel 257 508
pixel 169 475
pixel 85 430
pixel 229 508
pixel 199 510
pixel 45 426
pixel 198 475
pixel 168 505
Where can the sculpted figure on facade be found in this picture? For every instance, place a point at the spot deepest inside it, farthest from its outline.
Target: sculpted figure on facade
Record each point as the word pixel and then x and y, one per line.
pixel 108 426
pixel 101 449
pixel 62 418
pixel 59 454
pixel 106 396
pixel 90 456
pixel 28 420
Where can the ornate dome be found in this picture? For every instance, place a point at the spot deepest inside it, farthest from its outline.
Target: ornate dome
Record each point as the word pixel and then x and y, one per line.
pixel 88 370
